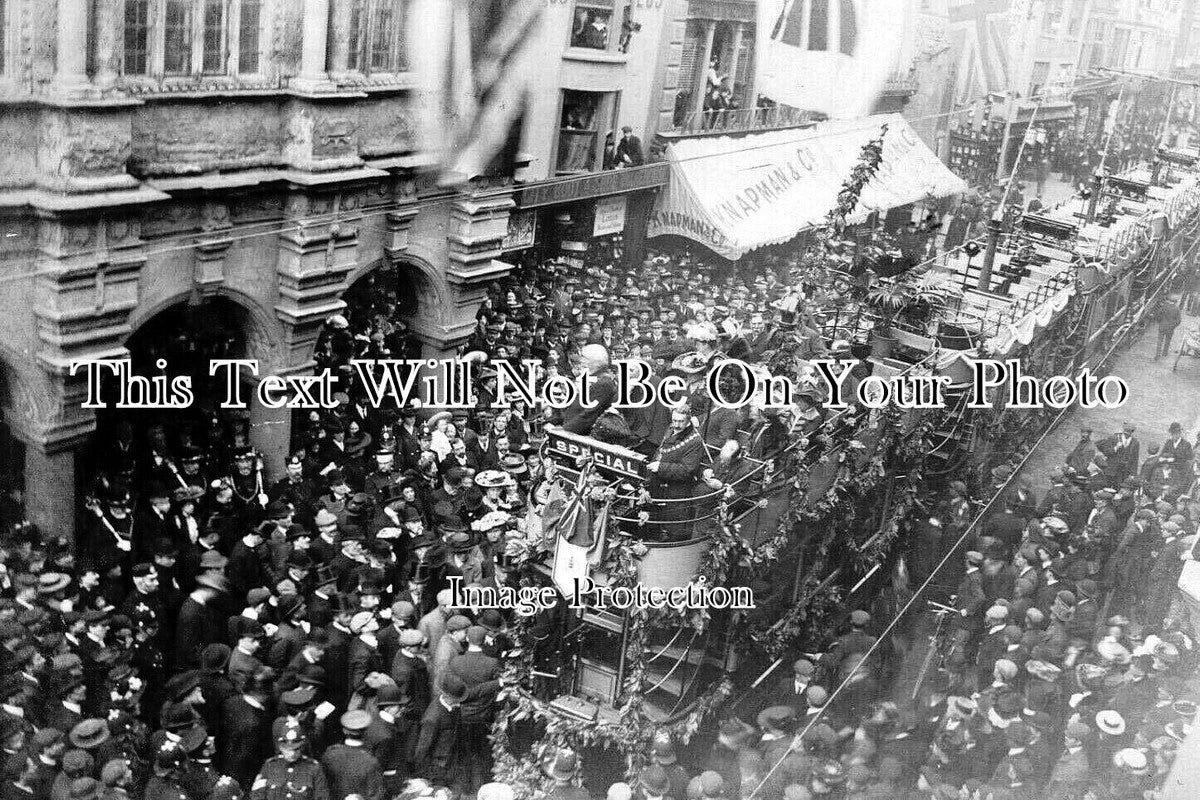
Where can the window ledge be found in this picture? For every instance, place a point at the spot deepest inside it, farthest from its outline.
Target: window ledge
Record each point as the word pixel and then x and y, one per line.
pixel 199 88
pixel 383 82
pixel 594 56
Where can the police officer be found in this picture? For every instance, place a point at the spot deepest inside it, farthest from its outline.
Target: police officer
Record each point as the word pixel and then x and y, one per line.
pixel 290 775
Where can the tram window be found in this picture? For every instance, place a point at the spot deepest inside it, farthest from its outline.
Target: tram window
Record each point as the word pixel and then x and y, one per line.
pixel 598 644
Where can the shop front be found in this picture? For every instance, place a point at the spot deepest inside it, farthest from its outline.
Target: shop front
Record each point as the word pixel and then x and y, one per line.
pixel 735 196
pixel 585 222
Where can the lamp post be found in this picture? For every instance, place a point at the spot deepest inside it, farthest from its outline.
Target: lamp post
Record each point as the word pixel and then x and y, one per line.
pixel 994 226
pixel 1097 183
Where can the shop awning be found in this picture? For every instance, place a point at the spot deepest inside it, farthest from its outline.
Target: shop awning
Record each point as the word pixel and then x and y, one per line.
pixel 736 194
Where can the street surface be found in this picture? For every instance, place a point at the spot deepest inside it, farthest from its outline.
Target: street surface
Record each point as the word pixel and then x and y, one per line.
pixel 1157 398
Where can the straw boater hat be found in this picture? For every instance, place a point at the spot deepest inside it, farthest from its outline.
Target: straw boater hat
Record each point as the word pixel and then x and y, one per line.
pixel 1110 722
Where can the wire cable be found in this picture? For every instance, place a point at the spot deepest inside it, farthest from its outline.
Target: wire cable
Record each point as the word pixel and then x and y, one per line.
pixel 797 739
pixel 189 240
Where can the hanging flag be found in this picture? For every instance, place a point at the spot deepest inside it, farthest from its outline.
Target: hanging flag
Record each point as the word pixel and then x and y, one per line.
pixel 473 60
pixel 830 56
pixel 573 536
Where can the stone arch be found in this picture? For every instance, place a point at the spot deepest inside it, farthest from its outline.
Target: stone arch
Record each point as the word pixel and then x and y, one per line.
pixel 420 274
pixel 264 337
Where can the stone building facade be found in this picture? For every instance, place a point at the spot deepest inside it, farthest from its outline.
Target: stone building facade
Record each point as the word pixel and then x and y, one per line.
pixel 157 153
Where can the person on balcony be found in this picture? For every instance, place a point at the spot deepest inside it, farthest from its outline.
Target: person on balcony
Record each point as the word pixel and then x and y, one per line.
pixel 629 150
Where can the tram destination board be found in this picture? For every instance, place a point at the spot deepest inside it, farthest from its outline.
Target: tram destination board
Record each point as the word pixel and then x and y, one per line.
pixel 567 448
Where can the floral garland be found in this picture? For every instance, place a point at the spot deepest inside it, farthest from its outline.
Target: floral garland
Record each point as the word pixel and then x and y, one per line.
pixel 632 732
pixel 819 601
pixel 869 160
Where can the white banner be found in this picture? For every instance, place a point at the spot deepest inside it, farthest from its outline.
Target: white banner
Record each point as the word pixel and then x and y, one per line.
pixel 610 216
pixel 832 56
pixel 734 195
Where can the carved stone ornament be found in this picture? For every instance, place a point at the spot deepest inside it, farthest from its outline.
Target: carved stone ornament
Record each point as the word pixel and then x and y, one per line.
pixel 334 136
pixel 82 146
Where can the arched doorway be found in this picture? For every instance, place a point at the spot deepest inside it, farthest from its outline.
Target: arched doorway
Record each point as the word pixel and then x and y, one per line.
pixel 180 340
pixel 375 324
pixel 12 465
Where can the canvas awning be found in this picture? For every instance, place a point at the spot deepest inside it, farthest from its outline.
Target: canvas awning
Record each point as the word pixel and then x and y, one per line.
pixel 736 194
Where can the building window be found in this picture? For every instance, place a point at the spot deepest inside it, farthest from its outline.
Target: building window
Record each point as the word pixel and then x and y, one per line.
pixel 818 25
pixel 593 24
pixel 249 37
pixel 214 37
pixel 192 37
pixel 177 51
pixel 137 37
pixel 377 36
pixel 585 117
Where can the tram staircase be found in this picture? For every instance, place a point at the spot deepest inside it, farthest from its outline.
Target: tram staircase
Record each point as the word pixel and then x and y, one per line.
pixel 679 666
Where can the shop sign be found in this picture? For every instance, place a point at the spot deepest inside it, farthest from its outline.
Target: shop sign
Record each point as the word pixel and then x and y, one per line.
pixel 522 230
pixel 598 184
pixel 610 216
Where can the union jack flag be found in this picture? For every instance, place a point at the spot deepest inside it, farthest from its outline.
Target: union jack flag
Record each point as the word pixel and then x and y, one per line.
pixel 473 61
pixel 981 36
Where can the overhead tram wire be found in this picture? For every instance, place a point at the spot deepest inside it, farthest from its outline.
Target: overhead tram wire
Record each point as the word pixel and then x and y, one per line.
pixel 187 241
pixel 797 739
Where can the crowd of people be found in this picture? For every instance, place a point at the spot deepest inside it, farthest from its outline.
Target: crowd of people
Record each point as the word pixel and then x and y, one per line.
pixel 1065 666
pixel 219 635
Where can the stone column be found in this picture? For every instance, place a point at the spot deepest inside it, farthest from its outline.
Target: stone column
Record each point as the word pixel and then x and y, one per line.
pixel 314 42
pixel 738 29
pixel 339 36
pixel 70 74
pixel 270 435
pixel 50 491
pixel 701 82
pixel 109 43
pixel 476 228
pixel 313 266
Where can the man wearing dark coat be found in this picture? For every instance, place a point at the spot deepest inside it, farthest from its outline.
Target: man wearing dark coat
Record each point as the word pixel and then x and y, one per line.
pixel 673 474
pixel 1176 450
pixel 602 392
pixel 245 732
pixel 481 674
pixel 337 653
pixel 349 765
pixel 438 746
pixel 198 624
pixel 1122 452
pixel 390 737
pixel 215 686
pixel 408 669
pixel 245 569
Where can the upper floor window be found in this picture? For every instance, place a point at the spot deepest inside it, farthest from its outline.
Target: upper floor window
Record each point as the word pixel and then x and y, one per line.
pixel 377 36
pixel 192 37
pixel 592 27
